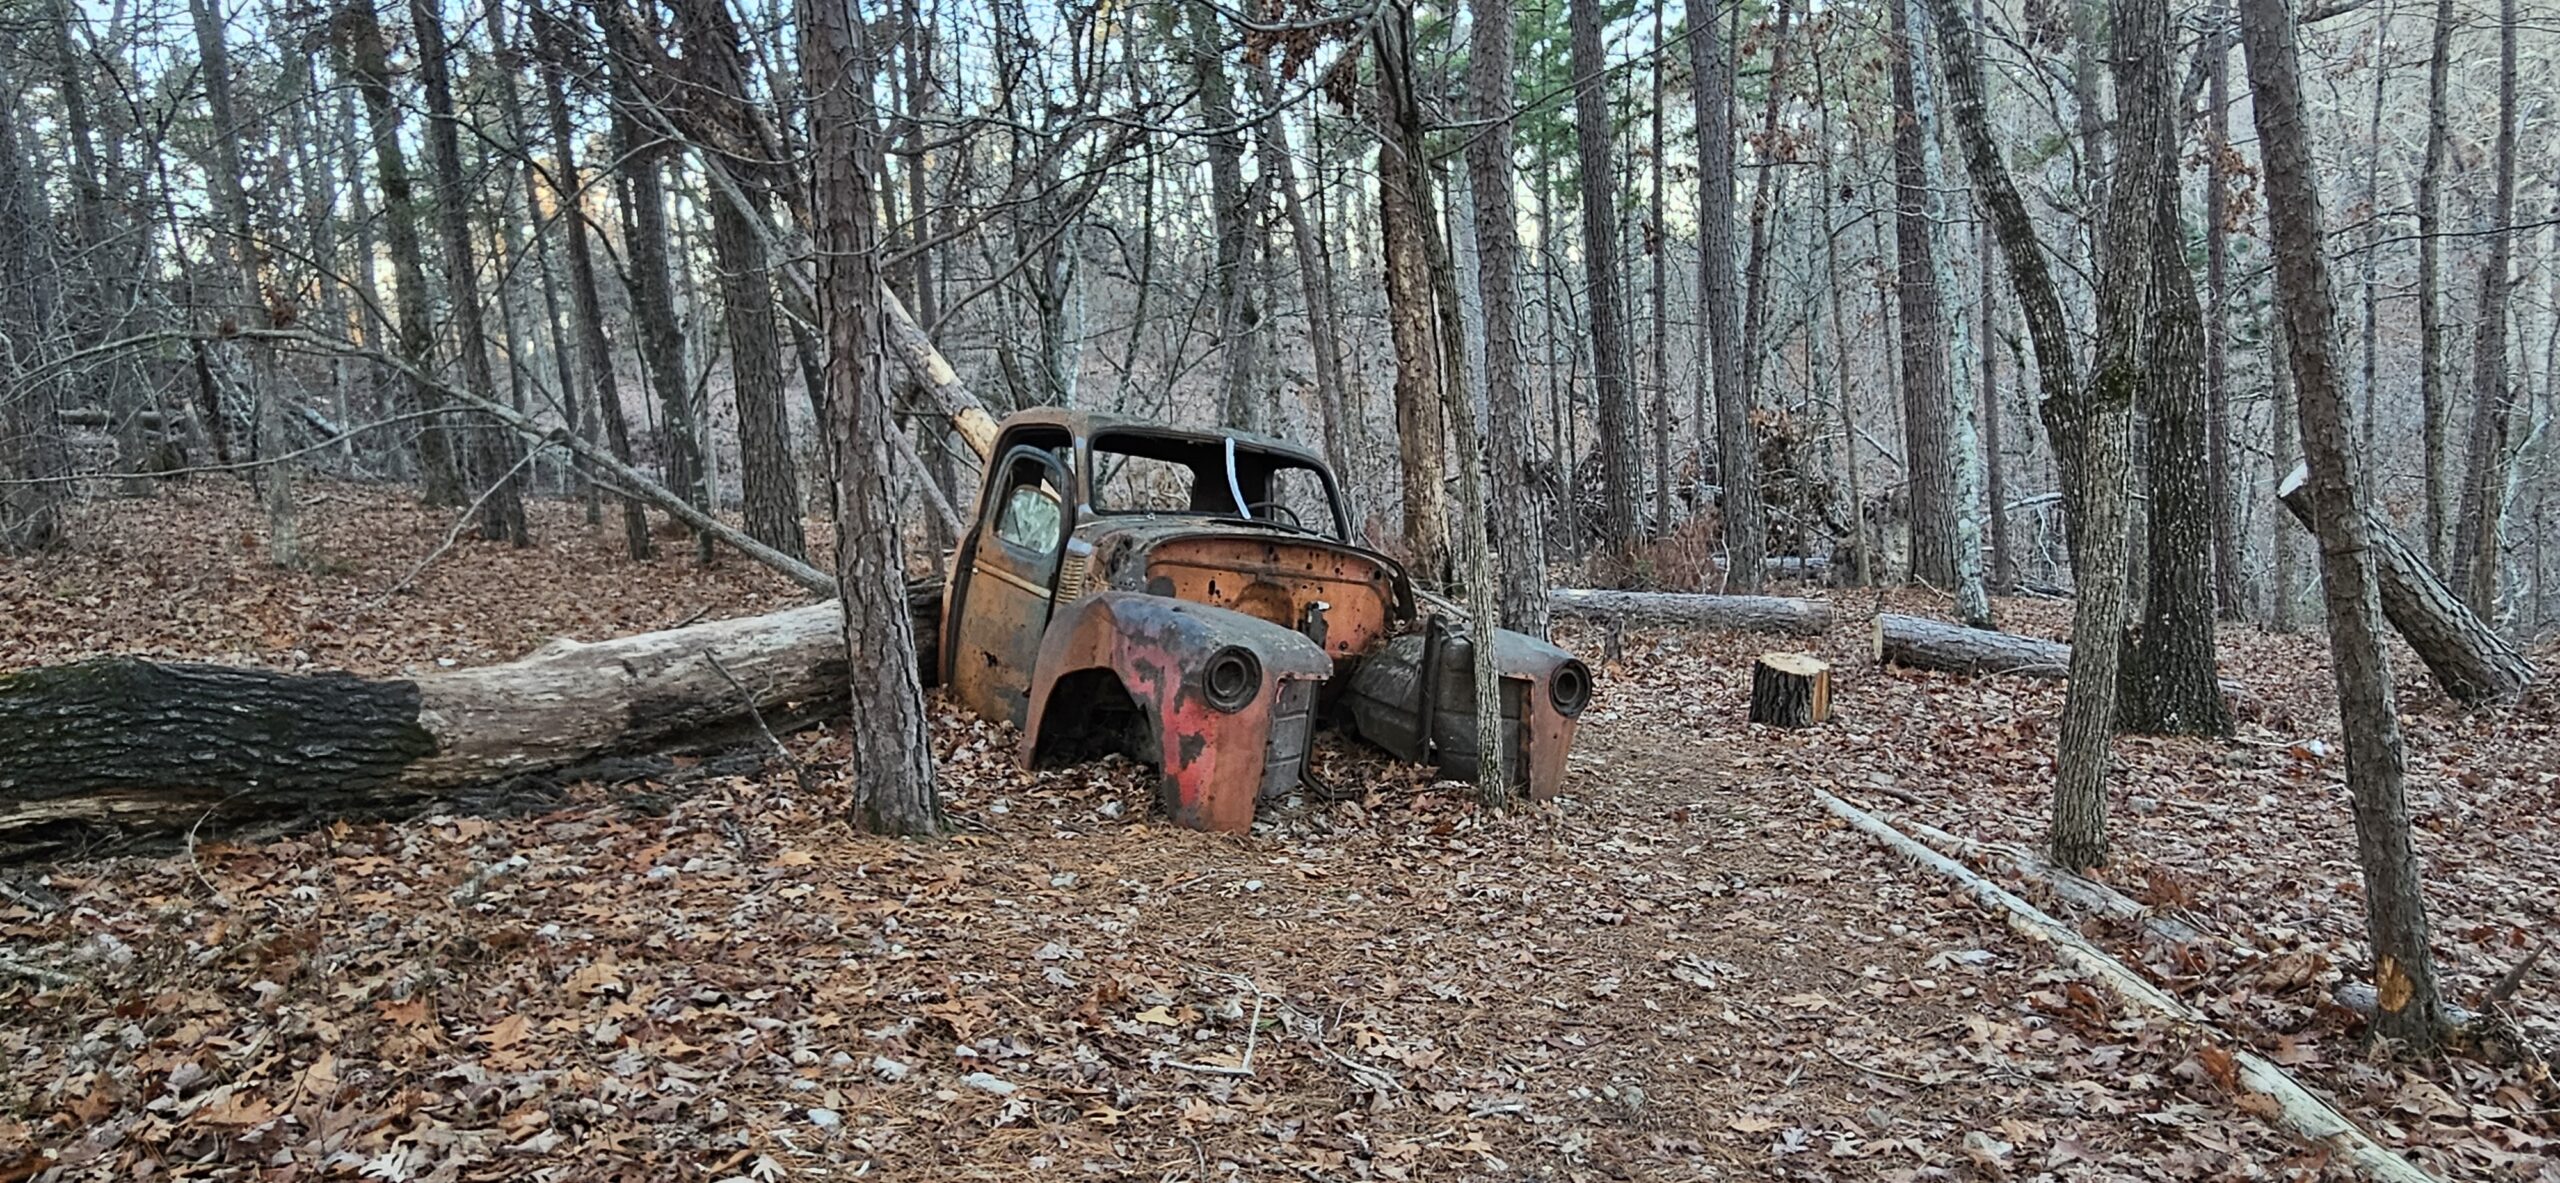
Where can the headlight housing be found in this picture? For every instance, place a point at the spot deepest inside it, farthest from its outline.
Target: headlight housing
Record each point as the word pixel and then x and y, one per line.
pixel 1569 688
pixel 1231 678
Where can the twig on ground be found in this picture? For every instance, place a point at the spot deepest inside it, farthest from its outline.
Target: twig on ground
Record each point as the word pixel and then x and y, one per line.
pixel 1252 1033
pixel 36 973
pixel 1871 1070
pixel 799 771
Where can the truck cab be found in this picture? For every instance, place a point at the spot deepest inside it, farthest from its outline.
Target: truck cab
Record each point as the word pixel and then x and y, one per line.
pixel 1192 600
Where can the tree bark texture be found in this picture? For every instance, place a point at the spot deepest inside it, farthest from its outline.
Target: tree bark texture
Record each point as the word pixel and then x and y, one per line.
pixel 892 759
pixel 2434 412
pixel 1963 461
pixel 767 477
pixel 1745 527
pixel 2472 568
pixel 1324 335
pixel 1621 453
pixel 2229 581
pixel 2395 906
pixel 491 459
pixel 1233 220
pixel 2280 386
pixel 2169 685
pixel 1515 515
pixel 1927 441
pixel 1404 223
pixel 2095 429
pixel 119 748
pixel 1926 644
pixel 360 39
pixel 1790 690
pixel 2467 657
pixel 647 241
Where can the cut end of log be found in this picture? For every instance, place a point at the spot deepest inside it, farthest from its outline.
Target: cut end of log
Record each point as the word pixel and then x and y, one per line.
pixel 1790 690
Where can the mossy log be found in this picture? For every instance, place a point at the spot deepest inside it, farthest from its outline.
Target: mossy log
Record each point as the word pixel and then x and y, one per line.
pixel 101 753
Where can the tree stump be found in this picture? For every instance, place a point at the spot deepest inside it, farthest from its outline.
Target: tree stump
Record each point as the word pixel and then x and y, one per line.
pixel 1790 690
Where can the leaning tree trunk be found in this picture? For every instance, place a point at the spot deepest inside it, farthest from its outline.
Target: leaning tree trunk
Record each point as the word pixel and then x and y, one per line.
pixel 2468 658
pixel 440 470
pixel 2395 905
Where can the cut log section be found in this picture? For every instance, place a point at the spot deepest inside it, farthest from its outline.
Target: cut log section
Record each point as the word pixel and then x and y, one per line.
pixel 113 749
pixel 1738 614
pixel 2467 657
pixel 1790 690
pixel 1935 645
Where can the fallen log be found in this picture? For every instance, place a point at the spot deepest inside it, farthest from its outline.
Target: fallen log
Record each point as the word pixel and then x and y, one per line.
pixel 1935 645
pixel 2467 657
pixel 117 749
pixel 2295 1108
pixel 1740 614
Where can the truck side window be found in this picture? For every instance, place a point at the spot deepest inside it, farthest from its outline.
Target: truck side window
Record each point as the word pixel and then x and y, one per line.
pixel 1031 518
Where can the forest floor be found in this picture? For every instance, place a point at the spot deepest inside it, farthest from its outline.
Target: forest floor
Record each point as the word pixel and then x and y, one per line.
pixel 1682 969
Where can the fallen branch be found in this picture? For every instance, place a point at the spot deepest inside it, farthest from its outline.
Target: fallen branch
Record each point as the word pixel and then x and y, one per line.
pixel 2306 1115
pixel 2082 893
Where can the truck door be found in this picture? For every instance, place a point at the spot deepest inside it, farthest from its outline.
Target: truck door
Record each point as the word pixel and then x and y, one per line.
pixel 1008 573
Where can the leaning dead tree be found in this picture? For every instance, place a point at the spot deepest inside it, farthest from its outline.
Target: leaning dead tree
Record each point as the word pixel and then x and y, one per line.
pixel 2467 657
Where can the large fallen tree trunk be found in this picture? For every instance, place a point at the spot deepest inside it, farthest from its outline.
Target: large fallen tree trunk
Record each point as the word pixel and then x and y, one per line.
pixel 112 749
pixel 2467 657
pixel 1935 645
pixel 1740 614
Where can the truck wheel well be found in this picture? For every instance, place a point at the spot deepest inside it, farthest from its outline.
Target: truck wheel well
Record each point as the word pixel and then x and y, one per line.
pixel 1090 714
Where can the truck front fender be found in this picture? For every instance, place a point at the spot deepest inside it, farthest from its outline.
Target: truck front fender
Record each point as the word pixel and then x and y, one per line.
pixel 1227 700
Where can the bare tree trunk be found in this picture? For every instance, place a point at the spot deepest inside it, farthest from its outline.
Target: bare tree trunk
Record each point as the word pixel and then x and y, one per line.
pixel 494 454
pixel 2170 685
pixel 2280 372
pixel 2094 431
pixel 440 469
pixel 1657 246
pixel 1231 210
pixel 1514 519
pixel 766 473
pixel 2229 589
pixel 647 241
pixel 1755 278
pixel 1621 464
pixel 2410 1009
pixel 892 757
pixel 1324 336
pixel 2431 393
pixel 1745 528
pixel 31 449
pixel 246 305
pixel 1927 444
pixel 2473 566
pixel 1962 461
pixel 1832 281
pixel 598 352
pixel 1404 196
pixel 2004 560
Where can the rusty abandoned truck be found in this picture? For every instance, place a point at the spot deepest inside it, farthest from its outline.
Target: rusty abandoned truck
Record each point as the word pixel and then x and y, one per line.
pixel 1192 600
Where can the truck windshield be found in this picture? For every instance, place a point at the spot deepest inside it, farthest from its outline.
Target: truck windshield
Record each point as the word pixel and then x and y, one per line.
pixel 1136 473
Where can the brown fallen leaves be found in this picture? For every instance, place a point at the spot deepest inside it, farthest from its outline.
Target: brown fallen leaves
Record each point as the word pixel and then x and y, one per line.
pixel 1682 971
